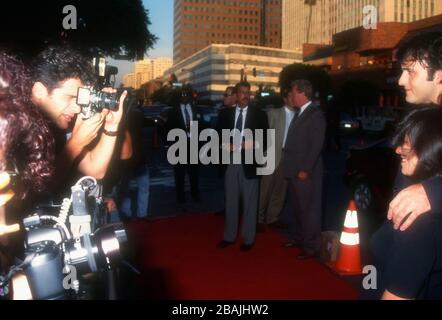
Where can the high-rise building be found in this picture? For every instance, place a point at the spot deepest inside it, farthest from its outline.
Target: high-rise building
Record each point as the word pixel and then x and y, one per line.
pixel 129 80
pixel 199 23
pixel 217 66
pixel 146 70
pixel 159 65
pixel 316 21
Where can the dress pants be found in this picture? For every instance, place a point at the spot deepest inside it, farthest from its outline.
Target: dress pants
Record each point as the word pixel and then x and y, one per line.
pixel 307 208
pixel 180 173
pixel 272 196
pixel 243 192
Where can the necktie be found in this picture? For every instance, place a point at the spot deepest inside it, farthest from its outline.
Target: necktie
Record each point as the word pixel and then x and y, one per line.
pixel 295 116
pixel 186 114
pixel 237 139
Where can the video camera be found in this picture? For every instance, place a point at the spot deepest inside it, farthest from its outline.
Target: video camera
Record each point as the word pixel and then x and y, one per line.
pixel 94 100
pixel 58 257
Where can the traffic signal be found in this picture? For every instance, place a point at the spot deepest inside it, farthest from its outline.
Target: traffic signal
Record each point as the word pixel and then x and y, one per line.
pixel 254 72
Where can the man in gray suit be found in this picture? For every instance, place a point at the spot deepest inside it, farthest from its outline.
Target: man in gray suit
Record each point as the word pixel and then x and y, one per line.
pixel 303 167
pixel 241 180
pixel 274 187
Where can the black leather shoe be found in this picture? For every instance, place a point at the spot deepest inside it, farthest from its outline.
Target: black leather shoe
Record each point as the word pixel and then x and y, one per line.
pixel 246 247
pixel 224 244
pixel 291 244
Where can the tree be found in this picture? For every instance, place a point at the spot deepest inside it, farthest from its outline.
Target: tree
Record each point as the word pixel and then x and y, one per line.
pixel 319 78
pixel 108 27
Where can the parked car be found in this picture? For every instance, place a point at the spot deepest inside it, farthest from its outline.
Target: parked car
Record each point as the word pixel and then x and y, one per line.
pixel 370 174
pixel 377 120
pixel 347 124
pixel 154 115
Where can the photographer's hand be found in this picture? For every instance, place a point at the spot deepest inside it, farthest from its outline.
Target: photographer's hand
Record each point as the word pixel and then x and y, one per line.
pixel 96 161
pixel 113 118
pixel 85 131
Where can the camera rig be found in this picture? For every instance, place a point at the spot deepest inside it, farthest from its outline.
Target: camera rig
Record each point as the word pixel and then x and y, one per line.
pixel 59 250
pixel 94 100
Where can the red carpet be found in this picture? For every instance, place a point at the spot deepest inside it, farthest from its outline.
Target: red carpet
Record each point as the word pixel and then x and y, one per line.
pixel 178 259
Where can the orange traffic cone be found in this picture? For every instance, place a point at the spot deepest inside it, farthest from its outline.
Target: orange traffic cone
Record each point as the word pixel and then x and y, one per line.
pixel 349 256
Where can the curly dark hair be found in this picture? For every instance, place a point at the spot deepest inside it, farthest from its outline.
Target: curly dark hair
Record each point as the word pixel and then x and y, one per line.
pixel 25 140
pixel 424 48
pixel 57 64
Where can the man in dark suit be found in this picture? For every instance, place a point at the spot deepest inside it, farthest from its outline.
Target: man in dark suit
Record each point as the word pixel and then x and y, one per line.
pixel 303 167
pixel 179 118
pixel 241 180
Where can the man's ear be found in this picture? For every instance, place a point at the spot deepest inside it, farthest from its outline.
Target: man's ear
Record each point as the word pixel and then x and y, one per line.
pixel 39 92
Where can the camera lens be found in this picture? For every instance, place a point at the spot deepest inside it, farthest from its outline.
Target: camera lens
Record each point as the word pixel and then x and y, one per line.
pixel 101 250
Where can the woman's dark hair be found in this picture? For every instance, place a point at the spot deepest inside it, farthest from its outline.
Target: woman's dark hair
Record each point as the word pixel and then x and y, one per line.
pixel 57 64
pixel 25 140
pixel 424 129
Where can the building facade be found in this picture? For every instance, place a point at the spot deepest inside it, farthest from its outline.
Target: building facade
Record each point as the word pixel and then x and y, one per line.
pixel 199 23
pixel 217 66
pixel 368 56
pixel 129 80
pixel 318 22
pixel 146 70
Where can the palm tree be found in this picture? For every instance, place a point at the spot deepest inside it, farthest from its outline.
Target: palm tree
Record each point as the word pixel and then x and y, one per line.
pixel 310 3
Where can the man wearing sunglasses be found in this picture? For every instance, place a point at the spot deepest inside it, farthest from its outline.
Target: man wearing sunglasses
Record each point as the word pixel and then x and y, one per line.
pixel 180 117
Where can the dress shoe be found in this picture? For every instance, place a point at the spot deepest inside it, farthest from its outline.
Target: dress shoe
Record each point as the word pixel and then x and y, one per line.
pixel 291 244
pixel 246 247
pixel 224 244
pixel 304 256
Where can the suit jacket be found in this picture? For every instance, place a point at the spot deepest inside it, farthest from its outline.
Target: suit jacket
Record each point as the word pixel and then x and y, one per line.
pixel 276 119
pixel 175 119
pixel 255 119
pixel 304 144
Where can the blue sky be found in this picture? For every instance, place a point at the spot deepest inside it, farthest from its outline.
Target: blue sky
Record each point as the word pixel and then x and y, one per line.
pixel 161 18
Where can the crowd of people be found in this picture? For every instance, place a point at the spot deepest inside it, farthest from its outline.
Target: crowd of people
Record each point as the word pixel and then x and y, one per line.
pixel 46 144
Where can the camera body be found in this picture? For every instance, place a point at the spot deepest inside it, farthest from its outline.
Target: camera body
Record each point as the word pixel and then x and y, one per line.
pixel 58 264
pixel 61 250
pixel 93 100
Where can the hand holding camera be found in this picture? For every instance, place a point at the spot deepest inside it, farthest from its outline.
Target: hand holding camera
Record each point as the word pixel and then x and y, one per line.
pixel 112 116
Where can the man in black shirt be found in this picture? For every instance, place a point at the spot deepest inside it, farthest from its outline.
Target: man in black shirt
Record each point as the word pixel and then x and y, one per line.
pixel 422 80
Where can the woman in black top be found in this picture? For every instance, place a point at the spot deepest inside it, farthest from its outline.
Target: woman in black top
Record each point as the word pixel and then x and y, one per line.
pixel 409 263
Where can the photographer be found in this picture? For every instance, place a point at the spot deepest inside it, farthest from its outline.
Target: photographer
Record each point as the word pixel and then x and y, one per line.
pixel 57 73
pixel 26 156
